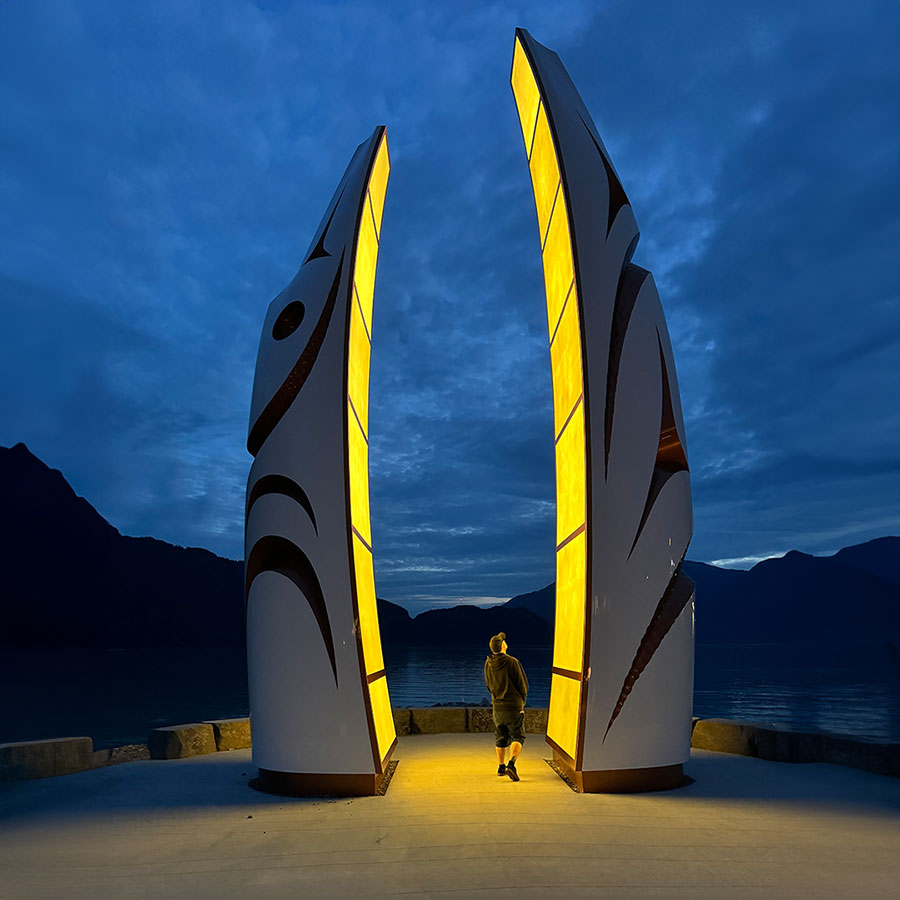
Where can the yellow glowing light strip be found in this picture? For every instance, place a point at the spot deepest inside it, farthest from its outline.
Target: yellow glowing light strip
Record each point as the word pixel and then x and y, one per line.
pixel 358 359
pixel 563 320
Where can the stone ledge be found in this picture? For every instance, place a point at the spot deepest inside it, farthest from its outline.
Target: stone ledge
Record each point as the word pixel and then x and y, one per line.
pixel 724 736
pixel 402 721
pixel 536 720
pixel 230 734
pixel 112 756
pixel 776 745
pixel 480 719
pixel 182 741
pixel 45 759
pixel 438 720
pixel 458 719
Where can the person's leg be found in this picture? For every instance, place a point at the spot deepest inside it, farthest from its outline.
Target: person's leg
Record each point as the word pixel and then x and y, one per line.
pixel 502 741
pixel 517 737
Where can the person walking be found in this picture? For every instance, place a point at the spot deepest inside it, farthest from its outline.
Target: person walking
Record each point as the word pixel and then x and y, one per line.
pixel 505 679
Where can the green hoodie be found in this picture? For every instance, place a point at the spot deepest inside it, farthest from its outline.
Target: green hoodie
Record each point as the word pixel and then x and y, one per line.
pixel 505 679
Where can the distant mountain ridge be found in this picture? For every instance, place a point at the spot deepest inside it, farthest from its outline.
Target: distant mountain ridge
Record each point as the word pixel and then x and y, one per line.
pixel 853 595
pixel 71 579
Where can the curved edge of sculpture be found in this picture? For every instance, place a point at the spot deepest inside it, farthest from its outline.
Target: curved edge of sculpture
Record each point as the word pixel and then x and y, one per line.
pixel 622 680
pixel 319 704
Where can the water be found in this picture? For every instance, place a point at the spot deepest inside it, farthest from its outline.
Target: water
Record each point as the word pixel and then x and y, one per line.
pixel 117 696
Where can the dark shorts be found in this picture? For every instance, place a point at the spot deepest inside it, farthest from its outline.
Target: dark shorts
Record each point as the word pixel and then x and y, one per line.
pixel 509 726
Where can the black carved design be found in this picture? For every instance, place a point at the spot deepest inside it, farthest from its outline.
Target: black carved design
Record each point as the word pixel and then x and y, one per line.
pixel 679 590
pixel 617 196
pixel 284 486
pixel 288 320
pixel 629 287
pixel 318 250
pixel 670 458
pixel 273 553
pixel 290 388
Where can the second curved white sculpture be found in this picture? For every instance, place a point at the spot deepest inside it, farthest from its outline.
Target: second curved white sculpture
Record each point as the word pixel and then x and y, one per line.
pixel 622 684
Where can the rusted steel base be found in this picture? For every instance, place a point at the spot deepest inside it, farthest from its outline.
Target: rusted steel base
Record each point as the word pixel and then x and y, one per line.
pixel 302 784
pixel 623 781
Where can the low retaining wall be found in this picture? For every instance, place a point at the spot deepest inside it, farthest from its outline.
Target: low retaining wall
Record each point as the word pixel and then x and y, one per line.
pixel 63 756
pixel 768 742
pixel 44 759
pixel 459 719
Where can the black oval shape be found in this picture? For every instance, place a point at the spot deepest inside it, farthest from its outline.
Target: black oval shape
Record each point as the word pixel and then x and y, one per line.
pixel 288 320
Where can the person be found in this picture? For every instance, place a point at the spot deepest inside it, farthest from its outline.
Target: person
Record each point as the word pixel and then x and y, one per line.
pixel 505 679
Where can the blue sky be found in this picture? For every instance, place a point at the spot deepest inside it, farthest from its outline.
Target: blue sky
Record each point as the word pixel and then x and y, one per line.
pixel 164 165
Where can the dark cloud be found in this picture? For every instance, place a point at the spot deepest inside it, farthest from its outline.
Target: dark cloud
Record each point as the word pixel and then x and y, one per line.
pixel 163 167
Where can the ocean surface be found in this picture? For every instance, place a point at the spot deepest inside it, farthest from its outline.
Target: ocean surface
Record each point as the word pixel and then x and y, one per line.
pixel 117 696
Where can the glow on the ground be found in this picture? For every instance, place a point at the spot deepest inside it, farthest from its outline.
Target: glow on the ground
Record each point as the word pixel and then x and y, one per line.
pixel 358 359
pixel 568 407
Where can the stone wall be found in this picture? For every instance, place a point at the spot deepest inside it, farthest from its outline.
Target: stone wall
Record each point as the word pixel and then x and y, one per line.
pixel 778 745
pixel 459 719
pixel 62 756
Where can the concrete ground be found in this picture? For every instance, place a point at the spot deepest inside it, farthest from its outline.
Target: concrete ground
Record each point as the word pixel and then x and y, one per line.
pixel 449 827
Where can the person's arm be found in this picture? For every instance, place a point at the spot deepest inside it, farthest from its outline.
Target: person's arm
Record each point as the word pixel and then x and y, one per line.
pixel 522 681
pixel 487 683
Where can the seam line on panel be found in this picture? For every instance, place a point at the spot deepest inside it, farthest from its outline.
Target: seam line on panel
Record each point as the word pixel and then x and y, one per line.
pixel 364 542
pixel 562 310
pixel 361 314
pixel 355 416
pixel 569 418
pixel 374 223
pixel 550 217
pixel 572 536
pixel 537 115
pixel 567 673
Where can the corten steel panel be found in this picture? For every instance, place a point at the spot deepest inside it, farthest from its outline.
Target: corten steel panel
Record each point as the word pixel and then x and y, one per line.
pixel 319 704
pixel 622 688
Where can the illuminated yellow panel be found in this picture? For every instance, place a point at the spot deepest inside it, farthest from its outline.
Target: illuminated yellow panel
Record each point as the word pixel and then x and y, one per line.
pixel 544 172
pixel 383 716
pixel 378 182
pixel 358 367
pixel 359 478
pixel 366 259
pixel 570 477
pixel 565 711
pixel 358 362
pixel 367 608
pixel 526 93
pixel 568 639
pixel 558 270
pixel 565 362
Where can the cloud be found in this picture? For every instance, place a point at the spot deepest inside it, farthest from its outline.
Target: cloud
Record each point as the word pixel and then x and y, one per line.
pixel 163 167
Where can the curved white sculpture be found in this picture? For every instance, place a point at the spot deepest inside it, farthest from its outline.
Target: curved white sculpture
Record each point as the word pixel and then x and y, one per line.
pixel 319 706
pixel 622 684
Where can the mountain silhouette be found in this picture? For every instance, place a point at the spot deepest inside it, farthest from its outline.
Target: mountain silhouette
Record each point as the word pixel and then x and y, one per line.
pixel 853 595
pixel 71 579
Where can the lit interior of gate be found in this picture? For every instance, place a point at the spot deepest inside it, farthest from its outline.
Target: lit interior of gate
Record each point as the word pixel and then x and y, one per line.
pixel 358 357
pixel 568 408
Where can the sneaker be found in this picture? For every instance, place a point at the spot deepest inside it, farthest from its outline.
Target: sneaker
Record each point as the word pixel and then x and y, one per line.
pixel 501 769
pixel 511 771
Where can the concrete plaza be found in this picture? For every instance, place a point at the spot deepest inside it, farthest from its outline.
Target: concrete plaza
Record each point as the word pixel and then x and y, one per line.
pixel 449 827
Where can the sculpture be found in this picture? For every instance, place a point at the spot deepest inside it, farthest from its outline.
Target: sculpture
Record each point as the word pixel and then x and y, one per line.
pixel 622 679
pixel 319 706
pixel 622 683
